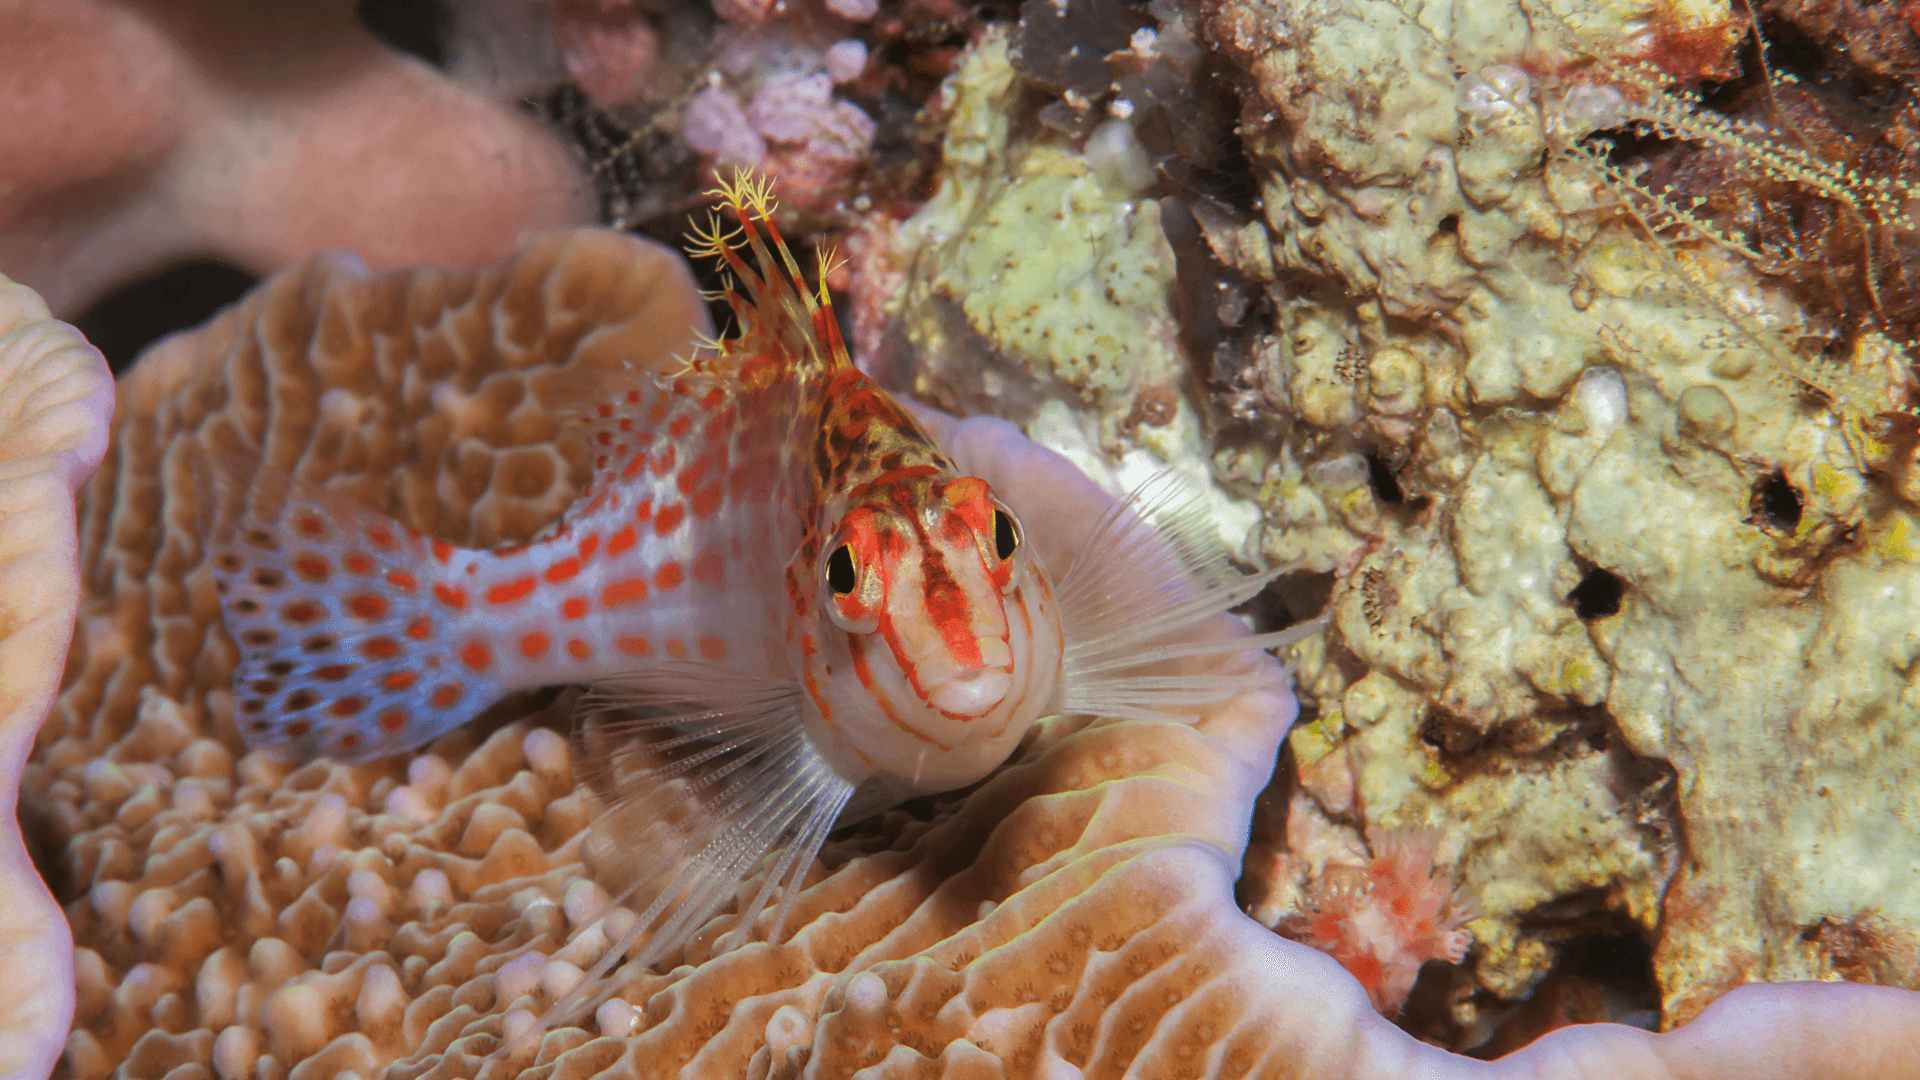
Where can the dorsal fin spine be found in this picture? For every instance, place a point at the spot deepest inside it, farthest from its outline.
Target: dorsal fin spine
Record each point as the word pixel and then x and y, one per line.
pixel 777 295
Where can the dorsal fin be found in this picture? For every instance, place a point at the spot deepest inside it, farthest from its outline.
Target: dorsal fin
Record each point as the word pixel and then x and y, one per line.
pixel 781 316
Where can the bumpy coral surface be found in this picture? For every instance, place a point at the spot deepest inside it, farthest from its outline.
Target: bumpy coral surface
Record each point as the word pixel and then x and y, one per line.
pixel 437 394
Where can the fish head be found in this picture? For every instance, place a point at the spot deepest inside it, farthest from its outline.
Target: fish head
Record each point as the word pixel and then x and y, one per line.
pixel 925 569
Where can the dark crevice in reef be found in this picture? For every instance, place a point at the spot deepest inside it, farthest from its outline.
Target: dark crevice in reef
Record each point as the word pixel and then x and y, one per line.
pixel 1775 504
pixel 641 174
pixel 415 27
pixel 1288 599
pixel 1380 477
pixel 128 319
pixel 1598 594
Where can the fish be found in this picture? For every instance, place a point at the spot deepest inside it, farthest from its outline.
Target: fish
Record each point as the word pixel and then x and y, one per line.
pixel 792 611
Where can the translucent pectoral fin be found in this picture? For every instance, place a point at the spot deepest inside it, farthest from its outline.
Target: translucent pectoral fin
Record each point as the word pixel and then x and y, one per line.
pixel 703 775
pixel 1136 605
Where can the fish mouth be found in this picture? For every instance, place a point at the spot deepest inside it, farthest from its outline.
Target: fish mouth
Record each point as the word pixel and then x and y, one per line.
pixel 973 692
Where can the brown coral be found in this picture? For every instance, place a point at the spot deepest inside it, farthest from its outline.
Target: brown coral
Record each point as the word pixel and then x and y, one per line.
pixel 55 404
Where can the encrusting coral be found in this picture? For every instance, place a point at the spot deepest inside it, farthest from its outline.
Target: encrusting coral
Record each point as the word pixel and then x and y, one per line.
pixel 56 401
pixel 1620 564
pixel 143 133
pixel 1073 915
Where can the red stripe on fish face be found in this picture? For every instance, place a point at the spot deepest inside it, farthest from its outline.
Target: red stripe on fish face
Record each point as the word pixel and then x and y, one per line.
pixel 880 698
pixel 945 603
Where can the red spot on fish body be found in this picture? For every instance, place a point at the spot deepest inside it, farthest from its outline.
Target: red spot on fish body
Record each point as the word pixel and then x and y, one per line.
pixel 708 568
pixel 420 629
pixel 706 502
pixel 564 570
pixel 445 696
pixel 620 541
pixel 380 648
pixel 453 596
pixel 442 551
pixel 347 706
pixel 402 580
pixel 669 518
pixel 534 645
pixel 392 720
pixel 589 544
pixel 664 461
pixel 713 648
pixel 579 649
pixel 477 655
pixel 634 646
pixel 382 537
pixel 357 562
pixel 510 591
pixel 312 567
pixel 574 607
pixel 399 680
pixel 669 576
pixel 680 426
pixel 367 605
pixel 625 591
pixel 676 648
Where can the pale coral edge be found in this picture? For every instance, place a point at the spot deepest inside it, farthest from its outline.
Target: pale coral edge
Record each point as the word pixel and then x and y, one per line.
pixel 56 396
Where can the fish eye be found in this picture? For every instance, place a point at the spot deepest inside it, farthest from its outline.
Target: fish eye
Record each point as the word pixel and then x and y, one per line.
pixel 1005 537
pixel 842 576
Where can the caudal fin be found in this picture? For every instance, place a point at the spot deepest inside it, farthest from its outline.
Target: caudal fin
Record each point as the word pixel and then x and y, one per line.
pixel 343 634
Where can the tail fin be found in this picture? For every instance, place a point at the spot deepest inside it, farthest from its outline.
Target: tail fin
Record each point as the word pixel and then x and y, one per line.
pixel 343 629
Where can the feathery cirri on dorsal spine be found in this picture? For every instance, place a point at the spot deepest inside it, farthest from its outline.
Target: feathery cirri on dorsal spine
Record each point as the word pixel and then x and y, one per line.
pixel 782 322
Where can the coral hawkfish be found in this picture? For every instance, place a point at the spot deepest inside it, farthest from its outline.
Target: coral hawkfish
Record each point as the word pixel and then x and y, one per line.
pixel 793 609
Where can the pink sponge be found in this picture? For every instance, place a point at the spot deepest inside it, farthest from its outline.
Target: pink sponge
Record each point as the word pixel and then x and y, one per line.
pixel 1385 918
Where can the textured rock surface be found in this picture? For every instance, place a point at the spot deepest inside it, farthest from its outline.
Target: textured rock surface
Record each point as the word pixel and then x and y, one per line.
pixel 1620 605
